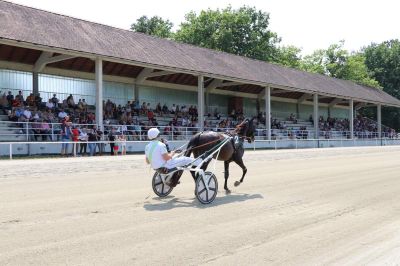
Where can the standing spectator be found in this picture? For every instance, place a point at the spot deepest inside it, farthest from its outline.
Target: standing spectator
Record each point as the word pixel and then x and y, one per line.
pixel 70 101
pixel 122 139
pixel 54 100
pixel 75 138
pixel 38 100
pixel 99 138
pixel 92 138
pixel 10 98
pixel 111 138
pixel 84 104
pixel 65 135
pixel 83 138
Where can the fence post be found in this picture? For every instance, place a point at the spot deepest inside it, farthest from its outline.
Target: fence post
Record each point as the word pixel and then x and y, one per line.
pixel 275 145
pixel 27 131
pixel 10 151
pixel 52 132
pixel 254 145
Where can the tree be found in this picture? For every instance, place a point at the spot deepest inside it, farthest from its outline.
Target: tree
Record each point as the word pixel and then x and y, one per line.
pixel 153 26
pixel 383 60
pixel 242 32
pixel 289 56
pixel 339 63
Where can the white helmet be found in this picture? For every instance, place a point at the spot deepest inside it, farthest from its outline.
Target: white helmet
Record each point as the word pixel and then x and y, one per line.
pixel 153 133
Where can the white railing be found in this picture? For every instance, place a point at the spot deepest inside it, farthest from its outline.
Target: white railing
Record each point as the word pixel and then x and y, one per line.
pixel 24 149
pixel 29 131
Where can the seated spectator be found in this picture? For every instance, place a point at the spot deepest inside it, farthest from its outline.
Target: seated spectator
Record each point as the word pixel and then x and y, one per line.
pixel 45 130
pixel 20 97
pixel 27 115
pixel 50 104
pixel 30 100
pixel 150 115
pixel 62 114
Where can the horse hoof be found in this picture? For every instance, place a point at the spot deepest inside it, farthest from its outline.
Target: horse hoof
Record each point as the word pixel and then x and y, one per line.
pixel 237 183
pixel 227 191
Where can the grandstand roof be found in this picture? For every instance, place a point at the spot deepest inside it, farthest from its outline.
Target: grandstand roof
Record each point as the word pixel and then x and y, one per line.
pixel 128 52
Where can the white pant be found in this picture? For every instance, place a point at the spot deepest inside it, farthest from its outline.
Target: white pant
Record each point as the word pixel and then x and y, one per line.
pixel 180 161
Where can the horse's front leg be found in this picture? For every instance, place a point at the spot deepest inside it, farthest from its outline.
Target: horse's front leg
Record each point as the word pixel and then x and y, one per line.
pixel 239 162
pixel 226 165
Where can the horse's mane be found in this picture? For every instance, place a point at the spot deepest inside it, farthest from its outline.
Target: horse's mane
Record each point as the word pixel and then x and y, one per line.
pixel 239 128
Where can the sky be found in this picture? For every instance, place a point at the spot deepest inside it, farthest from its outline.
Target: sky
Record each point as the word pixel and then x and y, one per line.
pixel 307 24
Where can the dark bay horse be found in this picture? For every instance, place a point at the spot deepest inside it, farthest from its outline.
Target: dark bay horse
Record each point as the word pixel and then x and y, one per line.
pixel 230 152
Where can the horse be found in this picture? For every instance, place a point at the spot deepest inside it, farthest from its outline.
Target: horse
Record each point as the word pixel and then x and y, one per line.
pixel 230 152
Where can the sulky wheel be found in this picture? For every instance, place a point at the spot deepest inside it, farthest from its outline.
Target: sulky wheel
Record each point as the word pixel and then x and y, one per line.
pixel 161 189
pixel 202 194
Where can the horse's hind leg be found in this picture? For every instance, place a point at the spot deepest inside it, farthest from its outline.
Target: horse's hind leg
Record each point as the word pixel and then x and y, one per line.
pixel 226 166
pixel 239 162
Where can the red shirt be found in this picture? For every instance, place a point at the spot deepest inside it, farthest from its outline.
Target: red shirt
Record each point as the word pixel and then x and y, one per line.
pixel 75 134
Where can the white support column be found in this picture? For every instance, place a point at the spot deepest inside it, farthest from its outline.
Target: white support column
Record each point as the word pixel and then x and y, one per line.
pixel 99 93
pixel 379 118
pixel 316 116
pixel 35 85
pixel 351 118
pixel 268 111
pixel 200 101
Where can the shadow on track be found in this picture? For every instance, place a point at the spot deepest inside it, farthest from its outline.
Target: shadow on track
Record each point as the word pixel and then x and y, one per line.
pixel 171 202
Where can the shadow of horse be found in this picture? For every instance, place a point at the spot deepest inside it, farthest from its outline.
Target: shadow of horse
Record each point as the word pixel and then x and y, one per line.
pixel 171 202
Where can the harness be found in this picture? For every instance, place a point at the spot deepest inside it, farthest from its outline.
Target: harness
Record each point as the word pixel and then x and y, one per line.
pixel 151 150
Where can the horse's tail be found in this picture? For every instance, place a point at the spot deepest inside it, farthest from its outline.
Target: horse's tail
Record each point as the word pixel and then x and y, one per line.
pixel 193 142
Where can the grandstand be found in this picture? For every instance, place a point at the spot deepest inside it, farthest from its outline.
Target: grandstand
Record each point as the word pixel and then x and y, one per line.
pixel 133 81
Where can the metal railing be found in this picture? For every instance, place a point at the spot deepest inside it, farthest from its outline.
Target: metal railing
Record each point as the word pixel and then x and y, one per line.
pixel 23 149
pixel 34 131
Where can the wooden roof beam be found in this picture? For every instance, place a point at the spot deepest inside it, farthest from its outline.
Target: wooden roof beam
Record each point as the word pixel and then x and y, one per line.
pixel 48 58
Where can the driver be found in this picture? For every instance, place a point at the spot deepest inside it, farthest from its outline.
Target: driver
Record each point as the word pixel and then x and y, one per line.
pixel 158 156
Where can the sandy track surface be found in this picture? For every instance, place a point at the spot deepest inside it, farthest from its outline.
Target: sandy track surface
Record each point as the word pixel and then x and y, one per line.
pixel 327 206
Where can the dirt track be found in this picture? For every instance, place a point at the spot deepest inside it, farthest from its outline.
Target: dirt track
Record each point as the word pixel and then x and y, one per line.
pixel 326 206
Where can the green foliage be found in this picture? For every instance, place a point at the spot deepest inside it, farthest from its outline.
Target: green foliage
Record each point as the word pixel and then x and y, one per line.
pixel 338 63
pixel 242 32
pixel 153 26
pixel 383 60
pixel 289 56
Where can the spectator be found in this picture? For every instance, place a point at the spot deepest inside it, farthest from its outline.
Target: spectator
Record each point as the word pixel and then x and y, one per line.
pixel 62 114
pixel 54 100
pixel 10 98
pixel 65 135
pixel 30 100
pixel 50 104
pixel 70 101
pixel 20 97
pixel 92 138
pixel 83 138
pixel 122 139
pixel 75 138
pixel 111 138
pixel 38 100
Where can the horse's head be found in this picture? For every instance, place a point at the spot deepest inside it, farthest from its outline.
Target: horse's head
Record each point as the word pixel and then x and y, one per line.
pixel 246 129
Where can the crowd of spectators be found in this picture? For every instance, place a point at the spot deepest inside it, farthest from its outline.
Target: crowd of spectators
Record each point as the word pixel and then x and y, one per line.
pixel 133 119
